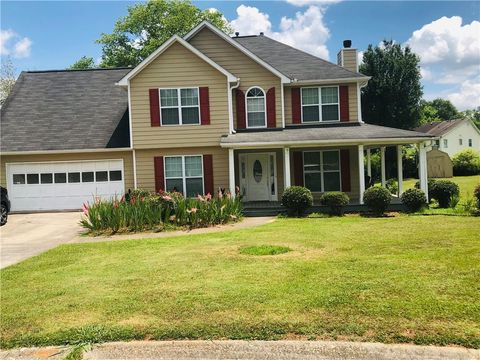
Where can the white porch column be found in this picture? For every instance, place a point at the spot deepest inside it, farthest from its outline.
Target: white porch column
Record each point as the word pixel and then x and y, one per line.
pixel 361 172
pixel 369 164
pixel 286 167
pixel 231 171
pixel 422 169
pixel 399 170
pixel 382 160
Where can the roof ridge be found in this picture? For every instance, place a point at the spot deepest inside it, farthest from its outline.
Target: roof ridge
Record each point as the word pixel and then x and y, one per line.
pixel 75 70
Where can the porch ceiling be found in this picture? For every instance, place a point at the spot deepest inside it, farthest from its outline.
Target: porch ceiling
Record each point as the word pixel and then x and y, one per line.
pixel 331 134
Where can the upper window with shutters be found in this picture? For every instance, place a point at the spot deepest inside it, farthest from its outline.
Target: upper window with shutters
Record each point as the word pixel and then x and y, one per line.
pixel 256 108
pixel 179 106
pixel 320 104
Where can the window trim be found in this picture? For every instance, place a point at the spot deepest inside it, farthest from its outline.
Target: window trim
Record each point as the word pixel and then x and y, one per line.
pixel 445 143
pixel 179 106
pixel 264 105
pixel 470 142
pixel 319 89
pixel 322 171
pixel 184 176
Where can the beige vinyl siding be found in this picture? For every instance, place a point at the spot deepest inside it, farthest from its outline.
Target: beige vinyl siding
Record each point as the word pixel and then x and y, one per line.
pixel 178 67
pixel 250 72
pixel 350 59
pixel 145 164
pixel 352 102
pixel 125 155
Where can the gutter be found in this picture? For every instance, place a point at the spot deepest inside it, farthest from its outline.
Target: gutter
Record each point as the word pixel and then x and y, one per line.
pixel 75 151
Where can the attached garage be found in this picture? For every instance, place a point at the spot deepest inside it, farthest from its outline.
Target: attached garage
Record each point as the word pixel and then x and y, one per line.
pixel 63 185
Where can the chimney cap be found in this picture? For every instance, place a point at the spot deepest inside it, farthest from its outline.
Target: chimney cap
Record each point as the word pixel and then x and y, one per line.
pixel 261 33
pixel 347 44
pixel 237 33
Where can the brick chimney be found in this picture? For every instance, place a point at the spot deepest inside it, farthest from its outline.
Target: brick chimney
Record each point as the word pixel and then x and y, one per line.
pixel 347 57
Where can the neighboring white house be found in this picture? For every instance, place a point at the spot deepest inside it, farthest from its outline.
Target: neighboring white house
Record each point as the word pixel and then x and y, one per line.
pixel 453 135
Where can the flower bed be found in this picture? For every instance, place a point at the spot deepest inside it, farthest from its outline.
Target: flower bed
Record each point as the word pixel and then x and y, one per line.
pixel 142 211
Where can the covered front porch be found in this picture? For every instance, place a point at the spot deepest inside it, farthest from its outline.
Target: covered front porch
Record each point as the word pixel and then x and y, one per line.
pixel 323 158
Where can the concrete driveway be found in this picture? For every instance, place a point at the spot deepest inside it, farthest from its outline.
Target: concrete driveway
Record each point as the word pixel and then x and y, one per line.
pixel 27 235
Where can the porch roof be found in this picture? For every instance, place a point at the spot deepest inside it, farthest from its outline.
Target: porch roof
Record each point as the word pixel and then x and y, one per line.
pixel 326 134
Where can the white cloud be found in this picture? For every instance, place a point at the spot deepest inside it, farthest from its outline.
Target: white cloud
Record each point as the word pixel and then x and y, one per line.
pixel 468 96
pixel 13 44
pixel 305 31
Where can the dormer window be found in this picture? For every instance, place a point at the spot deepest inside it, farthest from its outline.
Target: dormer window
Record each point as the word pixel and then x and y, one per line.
pixel 256 108
pixel 320 104
pixel 180 106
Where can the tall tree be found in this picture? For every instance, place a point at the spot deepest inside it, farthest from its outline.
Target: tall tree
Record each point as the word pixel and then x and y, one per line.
pixel 7 79
pixel 392 97
pixel 149 25
pixel 83 63
pixel 445 109
pixel 472 114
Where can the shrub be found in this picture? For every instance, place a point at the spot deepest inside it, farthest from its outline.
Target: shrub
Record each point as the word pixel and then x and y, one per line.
pixel 476 193
pixel 466 162
pixel 414 200
pixel 430 183
pixel 297 199
pixel 336 201
pixel 392 186
pixel 140 211
pixel 377 199
pixel 445 192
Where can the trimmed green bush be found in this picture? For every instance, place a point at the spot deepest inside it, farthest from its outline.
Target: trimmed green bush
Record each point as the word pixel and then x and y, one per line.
pixel 430 183
pixel 377 199
pixel 476 193
pixel 336 201
pixel 445 192
pixel 297 199
pixel 414 200
pixel 392 186
pixel 466 162
pixel 142 210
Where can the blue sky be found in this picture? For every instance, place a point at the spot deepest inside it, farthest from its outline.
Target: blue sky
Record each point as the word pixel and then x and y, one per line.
pixel 52 35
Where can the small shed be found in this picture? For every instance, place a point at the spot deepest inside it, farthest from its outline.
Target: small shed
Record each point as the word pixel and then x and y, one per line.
pixel 439 164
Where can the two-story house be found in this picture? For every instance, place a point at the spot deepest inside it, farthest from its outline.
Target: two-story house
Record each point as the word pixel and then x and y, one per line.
pixel 202 113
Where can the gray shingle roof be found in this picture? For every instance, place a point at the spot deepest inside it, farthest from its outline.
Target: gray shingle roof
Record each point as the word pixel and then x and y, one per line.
pixel 325 133
pixel 292 62
pixel 440 127
pixel 66 110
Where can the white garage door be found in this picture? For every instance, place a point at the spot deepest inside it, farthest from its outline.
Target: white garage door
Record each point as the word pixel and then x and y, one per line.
pixel 62 185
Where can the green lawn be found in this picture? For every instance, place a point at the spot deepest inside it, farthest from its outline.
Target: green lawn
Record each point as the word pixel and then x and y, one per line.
pixel 399 279
pixel 466 183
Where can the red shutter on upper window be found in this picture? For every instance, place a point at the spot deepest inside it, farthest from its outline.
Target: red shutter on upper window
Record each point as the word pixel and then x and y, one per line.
pixel 298 168
pixel 159 173
pixel 345 169
pixel 296 106
pixel 271 115
pixel 154 107
pixel 208 174
pixel 241 120
pixel 344 108
pixel 204 106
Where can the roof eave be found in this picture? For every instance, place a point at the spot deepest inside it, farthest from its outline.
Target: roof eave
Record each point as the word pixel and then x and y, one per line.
pixel 361 80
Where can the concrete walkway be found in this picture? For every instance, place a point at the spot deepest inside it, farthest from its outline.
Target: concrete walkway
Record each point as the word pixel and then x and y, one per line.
pixel 255 350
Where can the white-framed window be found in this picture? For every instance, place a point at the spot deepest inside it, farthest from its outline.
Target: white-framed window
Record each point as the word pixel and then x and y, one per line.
pixel 184 174
pixel 460 141
pixel 470 142
pixel 445 143
pixel 180 106
pixel 256 108
pixel 320 104
pixel 321 170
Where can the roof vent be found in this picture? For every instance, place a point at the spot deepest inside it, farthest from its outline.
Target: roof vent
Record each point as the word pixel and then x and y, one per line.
pixel 261 33
pixel 237 33
pixel 347 44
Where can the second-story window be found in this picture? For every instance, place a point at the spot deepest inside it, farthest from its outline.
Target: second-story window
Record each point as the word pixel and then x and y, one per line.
pixel 256 110
pixel 320 104
pixel 179 106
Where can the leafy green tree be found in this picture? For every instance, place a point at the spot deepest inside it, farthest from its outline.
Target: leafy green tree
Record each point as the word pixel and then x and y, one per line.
pixel 472 114
pixel 149 25
pixel 83 63
pixel 392 97
pixel 445 109
pixel 7 79
pixel 429 113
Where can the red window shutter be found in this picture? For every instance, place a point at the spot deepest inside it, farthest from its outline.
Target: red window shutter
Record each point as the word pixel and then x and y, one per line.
pixel 344 108
pixel 204 106
pixel 159 173
pixel 296 106
pixel 208 174
pixel 345 169
pixel 298 168
pixel 271 115
pixel 154 107
pixel 241 119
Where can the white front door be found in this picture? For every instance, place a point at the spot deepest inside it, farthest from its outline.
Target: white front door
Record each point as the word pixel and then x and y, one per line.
pixel 258 178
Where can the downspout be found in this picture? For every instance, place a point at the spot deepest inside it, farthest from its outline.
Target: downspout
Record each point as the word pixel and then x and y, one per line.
pixel 359 100
pixel 230 104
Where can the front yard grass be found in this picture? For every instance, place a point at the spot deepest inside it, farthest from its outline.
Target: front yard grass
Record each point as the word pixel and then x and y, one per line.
pixel 402 279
